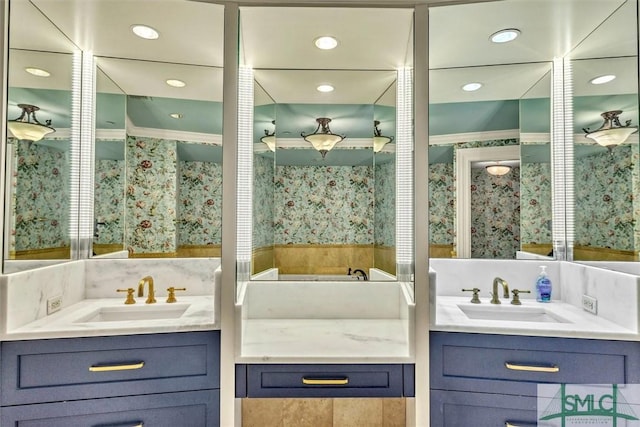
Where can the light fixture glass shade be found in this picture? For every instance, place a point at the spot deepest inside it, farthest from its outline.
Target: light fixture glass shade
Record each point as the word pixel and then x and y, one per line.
pixel 322 139
pixel 612 132
pixel 498 169
pixel 379 140
pixel 27 127
pixel 270 138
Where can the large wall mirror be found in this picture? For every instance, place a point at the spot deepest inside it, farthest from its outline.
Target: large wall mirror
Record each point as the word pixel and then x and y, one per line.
pixel 606 171
pixel 489 96
pixel 158 123
pixel 329 211
pixel 38 164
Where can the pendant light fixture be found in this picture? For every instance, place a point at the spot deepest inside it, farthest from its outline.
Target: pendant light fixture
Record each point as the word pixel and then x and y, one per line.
pixel 498 169
pixel 612 132
pixel 322 139
pixel 27 127
pixel 270 138
pixel 379 140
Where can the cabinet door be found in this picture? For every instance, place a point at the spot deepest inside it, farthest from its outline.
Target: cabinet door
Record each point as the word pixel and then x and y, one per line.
pixel 304 380
pixel 517 364
pixel 458 409
pixel 192 409
pixel 42 371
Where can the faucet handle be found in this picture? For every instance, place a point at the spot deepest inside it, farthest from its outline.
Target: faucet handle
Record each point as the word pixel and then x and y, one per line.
pixel 129 291
pixel 172 294
pixel 516 298
pixel 474 299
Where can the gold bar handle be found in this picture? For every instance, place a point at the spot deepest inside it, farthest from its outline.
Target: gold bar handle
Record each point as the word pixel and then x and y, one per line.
pixel 532 368
pixel 325 381
pixel 510 424
pixel 109 368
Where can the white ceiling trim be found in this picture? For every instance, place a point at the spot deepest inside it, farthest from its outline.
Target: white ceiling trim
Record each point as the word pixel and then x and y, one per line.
pixel 110 134
pixel 204 138
pixel 456 138
pixel 532 137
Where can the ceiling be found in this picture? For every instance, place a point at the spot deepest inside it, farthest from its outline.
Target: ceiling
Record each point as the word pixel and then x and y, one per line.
pixel 277 42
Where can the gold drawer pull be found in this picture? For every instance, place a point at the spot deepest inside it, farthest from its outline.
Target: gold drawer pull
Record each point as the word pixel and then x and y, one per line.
pixel 325 381
pixel 532 368
pixel 108 368
pixel 510 424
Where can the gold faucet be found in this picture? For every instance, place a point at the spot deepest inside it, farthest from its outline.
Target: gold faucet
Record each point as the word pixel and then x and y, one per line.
pixel 151 298
pixel 505 286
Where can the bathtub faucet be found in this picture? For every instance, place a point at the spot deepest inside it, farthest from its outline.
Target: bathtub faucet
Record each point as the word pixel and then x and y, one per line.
pixel 361 274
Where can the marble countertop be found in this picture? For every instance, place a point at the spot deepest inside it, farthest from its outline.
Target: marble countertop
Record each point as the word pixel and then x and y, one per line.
pixel 199 315
pixel 579 323
pixel 325 341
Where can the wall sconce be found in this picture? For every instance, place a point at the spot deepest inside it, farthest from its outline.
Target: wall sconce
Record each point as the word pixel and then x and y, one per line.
pixel 270 138
pixel 322 139
pixel 379 140
pixel 498 169
pixel 611 133
pixel 27 127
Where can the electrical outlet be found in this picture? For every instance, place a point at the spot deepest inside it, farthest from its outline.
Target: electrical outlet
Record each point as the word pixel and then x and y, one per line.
pixel 54 304
pixel 590 304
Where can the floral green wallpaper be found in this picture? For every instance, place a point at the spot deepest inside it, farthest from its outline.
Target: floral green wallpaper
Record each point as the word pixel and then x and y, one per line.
pixel 200 203
pixel 324 204
pixel 40 197
pixel 495 214
pixel 442 204
pixel 385 204
pixel 535 203
pixel 150 212
pixel 604 194
pixel 109 200
pixel 263 201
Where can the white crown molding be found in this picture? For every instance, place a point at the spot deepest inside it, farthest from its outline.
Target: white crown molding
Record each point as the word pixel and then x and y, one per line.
pixel 455 138
pixel 205 138
pixel 110 134
pixel 532 137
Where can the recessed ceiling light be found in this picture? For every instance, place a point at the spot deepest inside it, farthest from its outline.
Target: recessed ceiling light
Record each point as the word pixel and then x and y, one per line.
pixel 176 115
pixel 504 36
pixel 325 88
pixel 470 87
pixel 39 72
pixel 176 83
pixel 326 42
pixel 602 79
pixel 145 32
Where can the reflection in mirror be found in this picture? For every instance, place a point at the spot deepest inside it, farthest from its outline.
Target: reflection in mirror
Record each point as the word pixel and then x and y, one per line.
pixel 323 215
pixel 109 180
pixel 607 226
pixel 38 172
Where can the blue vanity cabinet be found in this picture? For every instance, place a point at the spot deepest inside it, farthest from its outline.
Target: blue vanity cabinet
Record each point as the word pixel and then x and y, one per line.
pixel 324 380
pixel 492 379
pixel 150 379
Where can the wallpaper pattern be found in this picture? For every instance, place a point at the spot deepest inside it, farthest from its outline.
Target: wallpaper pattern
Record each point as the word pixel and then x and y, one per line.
pixel 263 201
pixel 495 214
pixel 109 197
pixel 200 203
pixel 324 205
pixel 442 204
pixel 604 194
pixel 385 204
pixel 535 203
pixel 40 197
pixel 151 194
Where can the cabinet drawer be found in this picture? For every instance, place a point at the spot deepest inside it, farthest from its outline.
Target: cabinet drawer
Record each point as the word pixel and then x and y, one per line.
pixel 325 380
pixel 81 368
pixel 516 364
pixel 199 408
pixel 455 409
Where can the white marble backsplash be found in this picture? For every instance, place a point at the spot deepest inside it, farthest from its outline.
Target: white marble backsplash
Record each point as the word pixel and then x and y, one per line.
pixel 454 274
pixel 24 295
pixel 616 292
pixel 104 276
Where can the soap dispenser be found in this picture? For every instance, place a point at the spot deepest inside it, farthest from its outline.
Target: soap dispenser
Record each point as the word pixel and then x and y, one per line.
pixel 543 286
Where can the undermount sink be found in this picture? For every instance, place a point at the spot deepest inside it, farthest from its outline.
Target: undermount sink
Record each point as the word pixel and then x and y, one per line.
pixel 134 312
pixel 511 313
